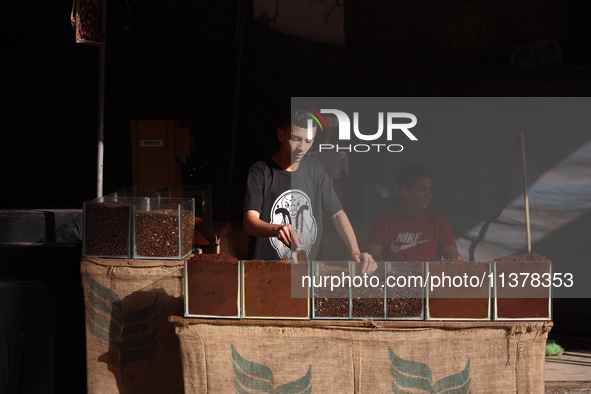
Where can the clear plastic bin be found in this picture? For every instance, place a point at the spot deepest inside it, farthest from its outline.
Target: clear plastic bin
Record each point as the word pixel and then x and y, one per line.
pixel 458 290
pixel 203 200
pixel 108 227
pixel 523 290
pixel 163 228
pixel 212 288
pixel 267 290
pixel 331 294
pixel 405 290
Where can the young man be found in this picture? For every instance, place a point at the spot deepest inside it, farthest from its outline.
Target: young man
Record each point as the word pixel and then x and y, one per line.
pixel 286 195
pixel 412 233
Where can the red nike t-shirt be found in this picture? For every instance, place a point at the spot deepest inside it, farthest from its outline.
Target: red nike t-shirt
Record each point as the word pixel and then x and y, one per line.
pixel 417 238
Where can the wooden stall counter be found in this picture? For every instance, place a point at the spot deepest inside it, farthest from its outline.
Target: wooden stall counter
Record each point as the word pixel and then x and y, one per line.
pixel 291 356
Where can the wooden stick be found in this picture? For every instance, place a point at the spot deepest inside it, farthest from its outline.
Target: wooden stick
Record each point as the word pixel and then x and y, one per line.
pixel 525 196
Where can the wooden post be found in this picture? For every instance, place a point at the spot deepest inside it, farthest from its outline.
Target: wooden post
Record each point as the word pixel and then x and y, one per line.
pixel 525 196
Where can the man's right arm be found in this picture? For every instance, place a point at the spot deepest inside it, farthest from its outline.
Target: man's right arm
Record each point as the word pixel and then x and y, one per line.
pixel 449 252
pixel 253 225
pixel 447 247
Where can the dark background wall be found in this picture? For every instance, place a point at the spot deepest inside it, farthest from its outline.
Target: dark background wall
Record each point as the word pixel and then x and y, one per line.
pixel 179 59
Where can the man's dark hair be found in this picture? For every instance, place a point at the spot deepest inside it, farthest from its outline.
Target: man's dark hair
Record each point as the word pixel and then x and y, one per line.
pixel 298 117
pixel 410 173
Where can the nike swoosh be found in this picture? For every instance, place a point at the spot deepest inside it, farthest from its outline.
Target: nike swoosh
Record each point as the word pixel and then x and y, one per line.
pixel 397 249
pixel 402 247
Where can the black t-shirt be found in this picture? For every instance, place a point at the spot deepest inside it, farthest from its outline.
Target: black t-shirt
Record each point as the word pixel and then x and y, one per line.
pixel 290 197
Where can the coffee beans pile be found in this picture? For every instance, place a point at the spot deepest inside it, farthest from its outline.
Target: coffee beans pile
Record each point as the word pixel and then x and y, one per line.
pixel 404 307
pixel 331 303
pixel 368 302
pixel 404 302
pixel 106 229
pixel 188 224
pixel 157 233
pixel 325 305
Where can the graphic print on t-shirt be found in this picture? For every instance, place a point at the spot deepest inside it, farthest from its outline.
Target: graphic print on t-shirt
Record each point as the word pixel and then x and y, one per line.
pixel 406 241
pixel 294 207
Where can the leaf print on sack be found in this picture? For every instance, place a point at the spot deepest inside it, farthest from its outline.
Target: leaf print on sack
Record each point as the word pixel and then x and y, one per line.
pixel 460 382
pixel 298 385
pixel 253 377
pixel 416 375
pixel 131 336
pixel 103 313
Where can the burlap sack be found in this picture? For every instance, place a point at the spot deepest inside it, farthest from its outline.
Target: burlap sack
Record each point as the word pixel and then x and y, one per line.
pixel 130 346
pixel 346 357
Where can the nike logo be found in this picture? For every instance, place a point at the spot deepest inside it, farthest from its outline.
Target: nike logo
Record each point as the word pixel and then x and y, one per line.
pixel 395 249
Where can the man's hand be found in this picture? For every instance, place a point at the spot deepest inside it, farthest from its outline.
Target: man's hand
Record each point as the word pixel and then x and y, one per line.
pixel 253 225
pixel 450 252
pixel 289 236
pixel 369 265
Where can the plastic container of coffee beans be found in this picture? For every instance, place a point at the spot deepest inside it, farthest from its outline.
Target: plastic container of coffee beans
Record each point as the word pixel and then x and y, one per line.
pixel 212 287
pixel 331 290
pixel 522 287
pixel 405 290
pixel 458 290
pixel 163 228
pixel 202 196
pixel 274 290
pixel 107 227
pixel 368 293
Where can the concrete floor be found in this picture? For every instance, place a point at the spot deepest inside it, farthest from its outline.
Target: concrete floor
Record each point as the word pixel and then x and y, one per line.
pixel 571 371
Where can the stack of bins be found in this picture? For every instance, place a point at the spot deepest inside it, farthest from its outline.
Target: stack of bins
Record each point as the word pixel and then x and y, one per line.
pixel 134 248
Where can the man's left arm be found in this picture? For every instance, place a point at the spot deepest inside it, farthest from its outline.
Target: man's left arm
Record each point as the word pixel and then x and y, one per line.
pixel 345 231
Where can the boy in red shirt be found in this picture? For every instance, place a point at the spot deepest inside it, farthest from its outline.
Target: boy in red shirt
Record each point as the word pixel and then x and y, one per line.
pixel 412 233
